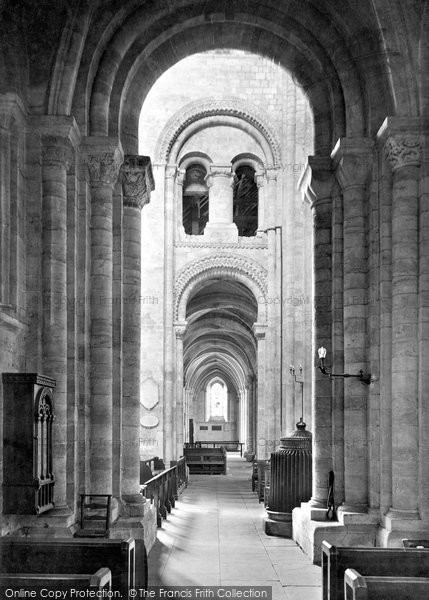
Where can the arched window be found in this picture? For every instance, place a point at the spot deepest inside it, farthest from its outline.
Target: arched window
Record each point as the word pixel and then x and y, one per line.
pixel 245 202
pixel 217 400
pixel 195 200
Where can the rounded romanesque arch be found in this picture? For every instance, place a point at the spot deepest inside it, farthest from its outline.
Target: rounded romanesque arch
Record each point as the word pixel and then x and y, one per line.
pixel 199 110
pixel 231 266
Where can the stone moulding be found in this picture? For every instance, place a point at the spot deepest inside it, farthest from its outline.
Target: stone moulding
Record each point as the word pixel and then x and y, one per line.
pixel 230 106
pixel 219 265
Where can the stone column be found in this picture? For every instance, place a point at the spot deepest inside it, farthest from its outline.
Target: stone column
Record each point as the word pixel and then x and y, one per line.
pixel 56 156
pixel 137 184
pixel 404 156
pixel 264 446
pixel 352 160
pixel 103 158
pixel 316 186
pixel 220 225
pixel 180 329
pixel 250 447
pixel 260 182
pixel 178 205
pixel 169 366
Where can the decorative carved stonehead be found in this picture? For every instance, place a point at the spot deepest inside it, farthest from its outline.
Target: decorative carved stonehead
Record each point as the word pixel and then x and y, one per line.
pixel 56 151
pixel 137 180
pixel 403 151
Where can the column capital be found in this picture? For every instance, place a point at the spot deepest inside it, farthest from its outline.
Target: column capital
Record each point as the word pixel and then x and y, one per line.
pixel 317 180
pixel 260 178
pixel 220 170
pixel 403 151
pixel 137 180
pixel 103 157
pixel 181 176
pixel 352 160
pixel 271 173
pixel 259 329
pixel 170 171
pixel 180 329
pixel 56 151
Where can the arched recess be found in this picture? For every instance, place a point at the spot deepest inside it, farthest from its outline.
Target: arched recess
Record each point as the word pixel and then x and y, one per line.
pixel 201 112
pixel 222 265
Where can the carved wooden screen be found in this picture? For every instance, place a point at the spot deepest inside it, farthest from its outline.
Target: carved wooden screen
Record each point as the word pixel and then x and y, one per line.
pixel 43 475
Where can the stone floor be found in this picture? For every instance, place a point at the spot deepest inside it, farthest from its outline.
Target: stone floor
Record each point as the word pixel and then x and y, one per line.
pixel 214 537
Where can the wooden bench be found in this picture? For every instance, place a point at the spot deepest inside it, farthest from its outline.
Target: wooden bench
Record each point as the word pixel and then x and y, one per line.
pixel 100 580
pixel 229 445
pixel 359 587
pixel 211 461
pixel 261 478
pixel 71 556
pixel 377 562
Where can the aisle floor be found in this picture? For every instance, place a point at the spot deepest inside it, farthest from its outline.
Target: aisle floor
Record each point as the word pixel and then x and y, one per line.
pixel 214 537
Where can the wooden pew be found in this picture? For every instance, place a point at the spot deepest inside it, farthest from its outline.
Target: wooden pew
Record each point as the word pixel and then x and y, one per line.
pixel 359 587
pixel 71 556
pixel 379 562
pixel 100 580
pixel 205 460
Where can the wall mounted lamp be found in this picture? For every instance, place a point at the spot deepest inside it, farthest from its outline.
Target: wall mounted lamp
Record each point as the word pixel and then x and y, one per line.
pixel 363 378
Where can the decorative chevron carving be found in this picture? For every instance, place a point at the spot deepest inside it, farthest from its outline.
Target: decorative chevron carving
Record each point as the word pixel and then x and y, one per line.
pixel 219 265
pixel 208 107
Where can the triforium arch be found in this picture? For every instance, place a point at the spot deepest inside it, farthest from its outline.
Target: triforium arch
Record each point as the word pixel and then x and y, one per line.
pixel 247 271
pixel 198 111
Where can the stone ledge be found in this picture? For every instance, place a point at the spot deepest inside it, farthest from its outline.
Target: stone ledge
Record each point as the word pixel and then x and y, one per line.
pixel 309 534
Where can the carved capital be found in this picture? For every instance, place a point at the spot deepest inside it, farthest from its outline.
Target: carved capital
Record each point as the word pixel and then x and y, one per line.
pixel 137 180
pixel 170 171
pixel 260 329
pixel 259 179
pixel 403 151
pixel 103 158
pixel 352 160
pixel 180 329
pixel 181 173
pixel 271 174
pixel 220 171
pixel 317 180
pixel 56 151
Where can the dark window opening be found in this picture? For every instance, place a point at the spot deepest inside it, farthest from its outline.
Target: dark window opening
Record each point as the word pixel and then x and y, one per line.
pixel 245 201
pixel 195 200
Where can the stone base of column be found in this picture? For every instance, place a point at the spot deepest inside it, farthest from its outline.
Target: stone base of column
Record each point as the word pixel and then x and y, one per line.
pixel 352 508
pixel 352 529
pixel 278 524
pixel 218 232
pixel 143 530
pixel 397 525
pixel 58 522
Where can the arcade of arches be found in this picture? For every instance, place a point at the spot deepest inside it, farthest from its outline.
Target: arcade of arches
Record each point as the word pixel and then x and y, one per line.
pixel 167 251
